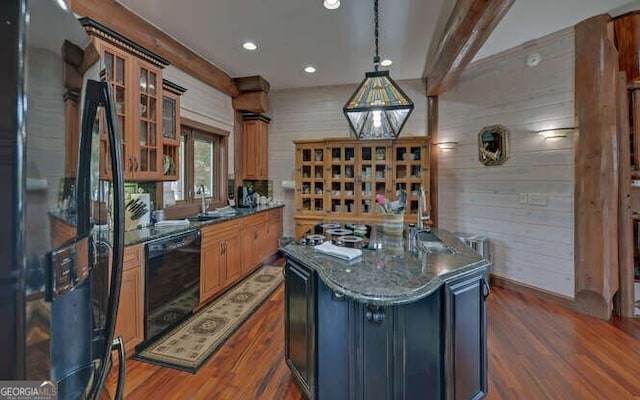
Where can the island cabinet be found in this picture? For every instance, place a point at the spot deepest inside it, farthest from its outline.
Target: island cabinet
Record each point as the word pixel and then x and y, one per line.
pixel 253 241
pixel 338 347
pixel 465 335
pixel 130 318
pixel 220 259
pixel 361 351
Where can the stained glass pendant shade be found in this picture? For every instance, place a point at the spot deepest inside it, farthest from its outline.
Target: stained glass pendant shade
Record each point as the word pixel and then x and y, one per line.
pixel 378 109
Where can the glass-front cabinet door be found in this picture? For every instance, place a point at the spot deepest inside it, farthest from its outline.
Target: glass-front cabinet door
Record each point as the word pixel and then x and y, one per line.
pixel 410 164
pixel 116 72
pixel 310 173
pixel 374 163
pixel 342 193
pixel 171 93
pixel 169 117
pixel 148 158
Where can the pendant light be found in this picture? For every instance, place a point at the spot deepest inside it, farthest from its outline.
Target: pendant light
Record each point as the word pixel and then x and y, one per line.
pixel 378 109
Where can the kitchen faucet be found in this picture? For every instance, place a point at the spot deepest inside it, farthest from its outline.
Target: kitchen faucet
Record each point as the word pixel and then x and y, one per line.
pixel 423 212
pixel 204 207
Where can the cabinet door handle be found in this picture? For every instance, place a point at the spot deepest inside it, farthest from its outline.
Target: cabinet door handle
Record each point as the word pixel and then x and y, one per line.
pixel 136 160
pixel 374 314
pixel 335 296
pixel 486 290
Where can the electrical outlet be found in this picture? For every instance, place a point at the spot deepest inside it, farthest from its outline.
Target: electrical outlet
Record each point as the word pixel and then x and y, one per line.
pixel 523 198
pixel 538 199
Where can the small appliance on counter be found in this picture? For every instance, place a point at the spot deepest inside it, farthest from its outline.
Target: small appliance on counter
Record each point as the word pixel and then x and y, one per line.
pixel 246 197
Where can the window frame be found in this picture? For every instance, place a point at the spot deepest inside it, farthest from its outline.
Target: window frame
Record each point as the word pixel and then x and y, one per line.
pixel 191 130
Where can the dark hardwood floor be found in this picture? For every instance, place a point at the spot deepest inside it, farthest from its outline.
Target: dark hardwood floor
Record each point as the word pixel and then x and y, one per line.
pixel 537 350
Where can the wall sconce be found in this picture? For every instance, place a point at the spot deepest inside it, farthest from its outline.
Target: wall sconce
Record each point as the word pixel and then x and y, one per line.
pixel 446 145
pixel 556 133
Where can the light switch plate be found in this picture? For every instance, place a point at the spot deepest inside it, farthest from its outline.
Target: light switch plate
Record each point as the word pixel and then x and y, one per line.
pixel 523 198
pixel 538 199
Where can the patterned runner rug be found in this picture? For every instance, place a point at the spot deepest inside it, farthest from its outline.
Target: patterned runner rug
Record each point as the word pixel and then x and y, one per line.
pixel 191 343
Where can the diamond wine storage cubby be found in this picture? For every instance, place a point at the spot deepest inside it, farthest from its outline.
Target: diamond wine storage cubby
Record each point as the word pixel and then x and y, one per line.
pixel 338 179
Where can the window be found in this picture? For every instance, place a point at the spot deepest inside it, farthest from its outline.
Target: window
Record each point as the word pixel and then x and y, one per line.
pixel 203 164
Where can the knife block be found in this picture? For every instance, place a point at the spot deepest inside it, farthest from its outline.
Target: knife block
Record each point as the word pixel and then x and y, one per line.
pixel 142 221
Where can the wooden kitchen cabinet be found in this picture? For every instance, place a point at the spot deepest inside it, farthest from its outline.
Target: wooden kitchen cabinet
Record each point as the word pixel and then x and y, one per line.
pixel 339 179
pixel 253 243
pixel 274 233
pixel 130 319
pixel 171 130
pixel 220 264
pixel 255 146
pixel 135 75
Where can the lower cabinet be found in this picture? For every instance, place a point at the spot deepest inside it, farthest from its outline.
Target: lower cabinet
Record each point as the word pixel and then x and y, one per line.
pixel 219 259
pixel 130 319
pixel 466 327
pixel 253 241
pixel 274 233
pixel 338 348
pixel 300 332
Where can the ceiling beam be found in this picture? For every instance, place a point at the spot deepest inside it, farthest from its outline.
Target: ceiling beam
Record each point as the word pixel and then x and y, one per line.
pixel 453 46
pixel 133 27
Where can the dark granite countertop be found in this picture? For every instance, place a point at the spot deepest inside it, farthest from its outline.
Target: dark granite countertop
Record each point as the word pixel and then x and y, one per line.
pixel 391 275
pixel 142 235
pixel 146 234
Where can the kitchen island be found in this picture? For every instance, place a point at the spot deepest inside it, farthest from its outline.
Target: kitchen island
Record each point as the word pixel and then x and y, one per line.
pixel 391 324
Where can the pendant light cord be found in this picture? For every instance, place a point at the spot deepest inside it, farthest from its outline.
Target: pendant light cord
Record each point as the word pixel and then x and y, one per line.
pixel 376 58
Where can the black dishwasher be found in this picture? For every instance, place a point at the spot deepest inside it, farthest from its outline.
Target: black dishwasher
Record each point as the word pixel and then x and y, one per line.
pixel 172 281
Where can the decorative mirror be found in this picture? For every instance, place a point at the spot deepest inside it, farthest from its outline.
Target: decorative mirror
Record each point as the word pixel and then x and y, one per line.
pixel 493 145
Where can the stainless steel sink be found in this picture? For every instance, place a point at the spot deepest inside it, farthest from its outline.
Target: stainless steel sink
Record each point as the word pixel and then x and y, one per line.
pixel 204 217
pixel 428 242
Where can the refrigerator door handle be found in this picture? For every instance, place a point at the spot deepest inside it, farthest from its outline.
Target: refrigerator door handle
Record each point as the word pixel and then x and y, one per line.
pixel 118 344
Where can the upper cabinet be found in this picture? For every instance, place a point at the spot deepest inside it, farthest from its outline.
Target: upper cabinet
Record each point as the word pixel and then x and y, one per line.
pixel 135 75
pixel 255 146
pixel 171 129
pixel 340 179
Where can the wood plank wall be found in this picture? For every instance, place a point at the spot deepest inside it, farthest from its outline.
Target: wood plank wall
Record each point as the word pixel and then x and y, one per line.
pixel 531 244
pixel 316 113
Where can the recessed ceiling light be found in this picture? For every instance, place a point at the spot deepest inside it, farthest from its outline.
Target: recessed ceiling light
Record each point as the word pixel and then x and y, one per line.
pixel 534 59
pixel 386 62
pixel 331 4
pixel 310 69
pixel 249 46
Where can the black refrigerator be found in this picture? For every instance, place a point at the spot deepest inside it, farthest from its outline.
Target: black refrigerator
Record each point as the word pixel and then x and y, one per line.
pixel 61 215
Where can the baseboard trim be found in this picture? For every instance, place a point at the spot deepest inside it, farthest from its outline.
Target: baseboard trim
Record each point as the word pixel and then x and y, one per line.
pixel 541 294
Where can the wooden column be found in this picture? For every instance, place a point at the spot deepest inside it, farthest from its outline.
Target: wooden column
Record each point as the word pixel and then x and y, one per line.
pixel 596 168
pixel 432 129
pixel 625 297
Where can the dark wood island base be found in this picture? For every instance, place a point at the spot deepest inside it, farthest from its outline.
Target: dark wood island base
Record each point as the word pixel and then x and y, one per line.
pixel 429 342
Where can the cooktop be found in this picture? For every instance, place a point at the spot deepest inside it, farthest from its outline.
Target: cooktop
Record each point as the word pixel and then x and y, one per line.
pixel 347 235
